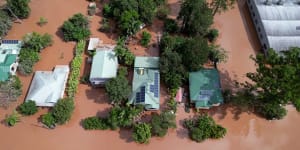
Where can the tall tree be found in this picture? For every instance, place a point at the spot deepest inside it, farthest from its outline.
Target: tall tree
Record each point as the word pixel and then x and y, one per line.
pixel 118 89
pixel 76 28
pixel 219 6
pixel 196 17
pixel 129 22
pixel 19 7
pixel 146 10
pixel 276 82
pixel 141 133
pixel 5 23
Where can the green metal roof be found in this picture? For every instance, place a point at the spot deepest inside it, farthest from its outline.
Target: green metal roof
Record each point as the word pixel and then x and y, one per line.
pixel 205 89
pixel 146 79
pixel 146 62
pixel 5 66
pixel 104 65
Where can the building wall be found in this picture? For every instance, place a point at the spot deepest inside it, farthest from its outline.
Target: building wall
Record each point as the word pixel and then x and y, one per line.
pixel 257 21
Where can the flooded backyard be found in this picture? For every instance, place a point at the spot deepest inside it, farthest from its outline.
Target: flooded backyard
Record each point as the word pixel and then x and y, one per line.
pixel 246 131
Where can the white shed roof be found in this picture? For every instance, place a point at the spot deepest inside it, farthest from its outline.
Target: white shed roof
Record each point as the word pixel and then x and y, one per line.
pixel 47 87
pixel 93 43
pixel 104 65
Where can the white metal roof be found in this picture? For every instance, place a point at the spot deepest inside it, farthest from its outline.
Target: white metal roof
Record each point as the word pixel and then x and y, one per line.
pixel 93 43
pixel 281 23
pixel 47 87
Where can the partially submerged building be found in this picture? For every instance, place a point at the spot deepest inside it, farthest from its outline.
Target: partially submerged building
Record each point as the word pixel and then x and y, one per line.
pixel 205 88
pixel 146 83
pixel 47 87
pixel 9 51
pixel 277 23
pixel 104 66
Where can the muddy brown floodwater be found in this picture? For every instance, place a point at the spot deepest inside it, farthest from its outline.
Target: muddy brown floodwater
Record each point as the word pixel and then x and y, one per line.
pixel 245 130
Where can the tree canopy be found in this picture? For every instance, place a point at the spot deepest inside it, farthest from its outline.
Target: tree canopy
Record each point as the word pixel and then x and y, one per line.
pixel 28 108
pixel 5 23
pixel 76 28
pixel 219 6
pixel 162 122
pixel 275 83
pixel 62 110
pixel 118 89
pixel 19 7
pixel 196 17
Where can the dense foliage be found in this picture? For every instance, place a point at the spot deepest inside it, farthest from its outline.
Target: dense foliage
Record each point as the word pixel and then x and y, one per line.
pixel 36 42
pixel 28 108
pixel 76 28
pixel 10 90
pixel 73 80
pixel 162 122
pixel 141 133
pixel 33 43
pixel 124 55
pixel 19 7
pixel 187 54
pixel 131 14
pixel 12 119
pixel 170 26
pixel 5 23
pixel 122 116
pixel 63 110
pixel 118 89
pixel 196 17
pixel 275 83
pixel 95 123
pixel 212 35
pixel 146 37
pixel 204 127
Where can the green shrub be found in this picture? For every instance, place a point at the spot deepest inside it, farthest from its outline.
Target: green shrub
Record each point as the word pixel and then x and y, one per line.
pixel 36 42
pixel 76 28
pixel 125 56
pixel 95 123
pixel 170 26
pixel 105 26
pixel 212 35
pixel 12 119
pixel 42 21
pixel 161 123
pixel 146 37
pixel 122 71
pixel 48 120
pixel 28 108
pixel 141 133
pixel 63 110
pixel 204 127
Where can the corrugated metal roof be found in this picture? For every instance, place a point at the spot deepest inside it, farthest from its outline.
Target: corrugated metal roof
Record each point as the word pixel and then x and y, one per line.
pixel 146 80
pixel 280 23
pixel 146 62
pixel 205 88
pixel 47 87
pixel 104 65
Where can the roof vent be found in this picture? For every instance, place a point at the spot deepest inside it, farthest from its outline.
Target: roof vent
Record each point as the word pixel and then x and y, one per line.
pixel 140 71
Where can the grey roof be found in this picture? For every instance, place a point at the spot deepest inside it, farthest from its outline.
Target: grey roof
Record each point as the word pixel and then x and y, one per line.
pixel 146 62
pixel 47 87
pixel 281 23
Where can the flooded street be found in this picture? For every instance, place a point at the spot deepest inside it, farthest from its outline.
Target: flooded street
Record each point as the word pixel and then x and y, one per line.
pixel 244 131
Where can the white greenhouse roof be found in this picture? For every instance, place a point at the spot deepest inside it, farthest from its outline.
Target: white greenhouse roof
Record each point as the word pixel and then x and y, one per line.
pixel 47 87
pixel 281 23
